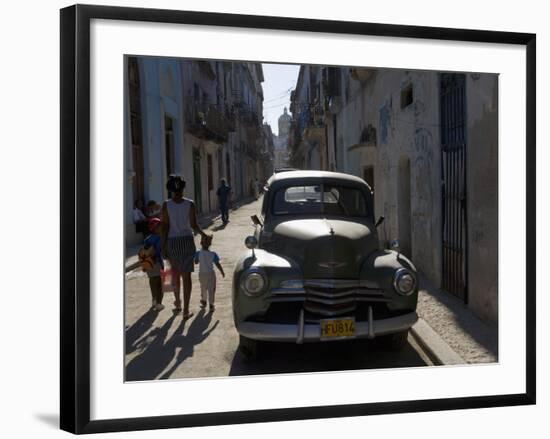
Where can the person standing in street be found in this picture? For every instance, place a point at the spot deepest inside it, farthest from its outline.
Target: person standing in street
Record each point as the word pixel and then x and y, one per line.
pixel 223 193
pixel 179 221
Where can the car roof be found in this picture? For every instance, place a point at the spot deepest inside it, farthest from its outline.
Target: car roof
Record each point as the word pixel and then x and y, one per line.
pixel 297 175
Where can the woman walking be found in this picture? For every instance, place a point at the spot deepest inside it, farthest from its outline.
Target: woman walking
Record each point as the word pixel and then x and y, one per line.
pixel 179 220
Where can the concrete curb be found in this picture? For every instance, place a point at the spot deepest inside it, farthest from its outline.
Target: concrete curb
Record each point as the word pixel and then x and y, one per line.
pixel 434 346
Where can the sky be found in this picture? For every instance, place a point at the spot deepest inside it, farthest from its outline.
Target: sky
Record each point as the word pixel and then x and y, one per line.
pixel 279 81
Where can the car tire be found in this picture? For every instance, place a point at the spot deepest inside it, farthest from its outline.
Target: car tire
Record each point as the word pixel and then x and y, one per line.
pixel 395 342
pixel 249 348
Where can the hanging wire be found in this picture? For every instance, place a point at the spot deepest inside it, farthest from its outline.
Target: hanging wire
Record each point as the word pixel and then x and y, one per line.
pixel 281 95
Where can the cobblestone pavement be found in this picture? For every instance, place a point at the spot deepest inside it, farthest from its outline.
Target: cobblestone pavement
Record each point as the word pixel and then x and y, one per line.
pixel 161 345
pixel 474 340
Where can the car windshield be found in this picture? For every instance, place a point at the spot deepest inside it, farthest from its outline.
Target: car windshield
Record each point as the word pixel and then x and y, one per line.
pixel 326 199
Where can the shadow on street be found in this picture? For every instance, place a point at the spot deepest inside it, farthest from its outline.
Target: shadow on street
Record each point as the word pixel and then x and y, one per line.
pixel 159 352
pixel 323 357
pixel 219 227
pixel 198 331
pixel 138 329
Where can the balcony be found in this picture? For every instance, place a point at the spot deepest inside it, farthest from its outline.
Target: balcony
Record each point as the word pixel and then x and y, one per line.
pixel 310 124
pixel 207 121
pixel 249 117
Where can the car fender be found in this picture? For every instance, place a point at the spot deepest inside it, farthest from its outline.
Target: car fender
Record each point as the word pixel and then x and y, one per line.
pixel 275 269
pixel 378 272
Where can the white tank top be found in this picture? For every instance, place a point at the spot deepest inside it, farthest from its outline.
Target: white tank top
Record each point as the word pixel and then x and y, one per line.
pixel 178 216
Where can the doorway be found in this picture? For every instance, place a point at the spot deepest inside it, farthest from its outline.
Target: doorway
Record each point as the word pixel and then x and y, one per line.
pixel 404 206
pixel 169 144
pixel 210 179
pixel 197 179
pixel 368 176
pixel 138 182
pixel 453 171
pixel 227 169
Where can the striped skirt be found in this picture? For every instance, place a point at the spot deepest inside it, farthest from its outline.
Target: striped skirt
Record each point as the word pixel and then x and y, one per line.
pixel 181 252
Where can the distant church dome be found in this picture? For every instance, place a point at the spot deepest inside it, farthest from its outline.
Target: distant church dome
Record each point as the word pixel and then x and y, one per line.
pixel 284 123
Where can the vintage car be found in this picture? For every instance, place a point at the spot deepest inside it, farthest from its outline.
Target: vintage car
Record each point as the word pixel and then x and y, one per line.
pixel 315 270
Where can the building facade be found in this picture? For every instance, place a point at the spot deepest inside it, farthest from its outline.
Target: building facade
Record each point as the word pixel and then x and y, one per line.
pixel 201 119
pixel 267 155
pixel 427 144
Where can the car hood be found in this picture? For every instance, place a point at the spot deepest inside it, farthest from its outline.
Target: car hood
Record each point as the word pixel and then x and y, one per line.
pixel 325 248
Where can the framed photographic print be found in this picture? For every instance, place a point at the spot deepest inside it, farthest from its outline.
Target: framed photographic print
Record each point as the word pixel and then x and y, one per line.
pixel 305 218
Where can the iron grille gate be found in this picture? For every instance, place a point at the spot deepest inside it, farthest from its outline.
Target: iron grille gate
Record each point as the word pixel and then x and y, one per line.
pixel 453 162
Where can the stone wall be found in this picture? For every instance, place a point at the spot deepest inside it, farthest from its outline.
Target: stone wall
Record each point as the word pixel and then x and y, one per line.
pixel 482 181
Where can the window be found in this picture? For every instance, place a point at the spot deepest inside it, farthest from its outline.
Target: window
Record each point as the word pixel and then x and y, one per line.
pixel 327 199
pixel 406 96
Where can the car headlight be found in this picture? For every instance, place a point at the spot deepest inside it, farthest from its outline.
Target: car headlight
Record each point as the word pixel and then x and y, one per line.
pixel 253 283
pixel 404 281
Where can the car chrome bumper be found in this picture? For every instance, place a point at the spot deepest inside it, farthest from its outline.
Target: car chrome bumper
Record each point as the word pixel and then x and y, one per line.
pixel 311 332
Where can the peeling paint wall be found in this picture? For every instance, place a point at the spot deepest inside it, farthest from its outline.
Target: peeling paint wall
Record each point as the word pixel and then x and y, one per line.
pixel 410 135
pixel 408 145
pixel 385 127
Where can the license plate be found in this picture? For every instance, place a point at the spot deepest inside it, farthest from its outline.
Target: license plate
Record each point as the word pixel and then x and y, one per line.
pixel 337 328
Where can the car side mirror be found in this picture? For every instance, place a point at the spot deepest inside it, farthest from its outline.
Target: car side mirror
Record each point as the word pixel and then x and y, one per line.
pixel 251 243
pixel 256 220
pixel 380 221
pixel 395 245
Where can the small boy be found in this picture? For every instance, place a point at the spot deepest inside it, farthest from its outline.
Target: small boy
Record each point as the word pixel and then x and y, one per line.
pixel 154 264
pixel 207 277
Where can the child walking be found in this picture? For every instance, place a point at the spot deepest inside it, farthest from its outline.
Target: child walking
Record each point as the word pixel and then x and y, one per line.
pixel 207 277
pixel 152 263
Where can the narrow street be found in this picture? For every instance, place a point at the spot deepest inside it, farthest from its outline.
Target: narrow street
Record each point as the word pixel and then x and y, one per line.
pixel 162 346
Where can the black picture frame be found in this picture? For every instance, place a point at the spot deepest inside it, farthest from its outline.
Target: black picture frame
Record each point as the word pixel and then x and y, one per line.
pixel 75 217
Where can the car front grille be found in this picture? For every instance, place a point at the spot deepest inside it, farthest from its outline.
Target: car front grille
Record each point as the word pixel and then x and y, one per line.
pixel 322 298
pixel 337 297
